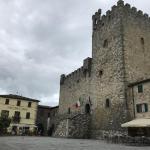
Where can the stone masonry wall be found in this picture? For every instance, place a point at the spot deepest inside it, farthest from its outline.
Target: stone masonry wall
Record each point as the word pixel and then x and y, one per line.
pixel 80 126
pixel 136 44
pixel 61 129
pixel 74 126
pixel 75 87
pixel 120 56
pixel 111 84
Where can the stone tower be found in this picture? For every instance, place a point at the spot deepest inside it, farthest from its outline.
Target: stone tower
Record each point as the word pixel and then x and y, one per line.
pixel 120 57
pixel 108 71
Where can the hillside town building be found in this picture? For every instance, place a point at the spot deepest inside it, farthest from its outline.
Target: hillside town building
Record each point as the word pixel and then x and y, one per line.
pixel 21 110
pixel 46 116
pixel 110 94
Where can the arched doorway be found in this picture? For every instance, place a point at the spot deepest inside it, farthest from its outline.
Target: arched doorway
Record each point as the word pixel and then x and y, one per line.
pixel 87 109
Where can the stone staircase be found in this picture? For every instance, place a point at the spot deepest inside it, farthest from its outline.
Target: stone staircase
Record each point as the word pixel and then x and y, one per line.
pixel 73 126
pixel 61 129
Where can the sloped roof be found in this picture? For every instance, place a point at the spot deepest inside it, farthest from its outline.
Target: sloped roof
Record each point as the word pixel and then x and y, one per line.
pixel 141 122
pixel 19 97
pixel 139 82
pixel 47 107
pixel 44 106
pixel 54 107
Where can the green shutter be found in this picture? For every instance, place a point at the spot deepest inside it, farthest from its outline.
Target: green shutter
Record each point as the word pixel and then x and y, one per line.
pixel 146 107
pixel 140 88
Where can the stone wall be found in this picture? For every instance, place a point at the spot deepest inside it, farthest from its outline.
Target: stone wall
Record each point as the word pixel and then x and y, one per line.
pixel 42 117
pixel 108 58
pixel 136 40
pixel 75 87
pixel 120 56
pixel 79 126
pixel 136 36
pixel 61 129
pixel 46 117
pixel 73 126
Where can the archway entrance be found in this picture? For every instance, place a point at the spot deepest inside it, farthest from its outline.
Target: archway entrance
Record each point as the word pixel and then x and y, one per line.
pixel 87 109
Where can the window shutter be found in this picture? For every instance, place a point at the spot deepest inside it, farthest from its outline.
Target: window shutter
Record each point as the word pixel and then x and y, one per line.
pixel 138 108
pixel 146 107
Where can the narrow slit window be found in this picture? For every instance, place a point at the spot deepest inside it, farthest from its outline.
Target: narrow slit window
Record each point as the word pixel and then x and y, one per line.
pixel 69 110
pixel 105 45
pixel 107 104
pixel 100 73
pixel 142 41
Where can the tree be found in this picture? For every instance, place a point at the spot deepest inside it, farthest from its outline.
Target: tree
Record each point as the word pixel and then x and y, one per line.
pixel 4 124
pixel 16 119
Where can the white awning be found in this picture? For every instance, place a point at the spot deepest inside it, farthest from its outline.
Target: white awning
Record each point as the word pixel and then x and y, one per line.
pixel 143 122
pixel 24 125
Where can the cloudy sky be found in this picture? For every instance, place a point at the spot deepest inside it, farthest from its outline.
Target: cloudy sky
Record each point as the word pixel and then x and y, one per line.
pixel 41 39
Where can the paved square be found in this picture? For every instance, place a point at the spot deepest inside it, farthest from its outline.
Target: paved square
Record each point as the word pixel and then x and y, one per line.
pixel 47 143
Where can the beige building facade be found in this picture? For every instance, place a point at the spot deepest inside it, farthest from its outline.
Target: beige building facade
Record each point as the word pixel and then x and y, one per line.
pixel 21 110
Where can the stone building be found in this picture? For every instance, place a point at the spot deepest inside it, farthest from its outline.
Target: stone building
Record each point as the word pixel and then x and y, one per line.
pixel 21 110
pixel 107 87
pixel 45 119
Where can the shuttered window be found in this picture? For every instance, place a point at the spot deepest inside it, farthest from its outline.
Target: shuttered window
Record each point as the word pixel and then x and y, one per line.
pixel 140 88
pixel 142 108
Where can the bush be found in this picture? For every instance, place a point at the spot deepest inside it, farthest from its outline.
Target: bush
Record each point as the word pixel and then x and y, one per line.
pixel 4 124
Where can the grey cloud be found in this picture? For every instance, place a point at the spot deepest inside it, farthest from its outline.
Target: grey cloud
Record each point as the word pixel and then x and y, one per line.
pixel 42 39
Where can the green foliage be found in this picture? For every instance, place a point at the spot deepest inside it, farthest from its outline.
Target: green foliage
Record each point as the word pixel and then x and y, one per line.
pixel 4 124
pixel 16 119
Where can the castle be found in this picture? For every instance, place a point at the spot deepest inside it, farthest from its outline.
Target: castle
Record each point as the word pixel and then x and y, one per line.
pixel 112 87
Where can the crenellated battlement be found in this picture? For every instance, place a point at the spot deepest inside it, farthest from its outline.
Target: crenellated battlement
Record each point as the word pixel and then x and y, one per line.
pixel 74 76
pixel 100 20
pixel 81 72
pixel 119 10
pixel 120 55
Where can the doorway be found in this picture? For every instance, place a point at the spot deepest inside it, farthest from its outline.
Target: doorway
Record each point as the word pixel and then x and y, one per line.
pixel 87 109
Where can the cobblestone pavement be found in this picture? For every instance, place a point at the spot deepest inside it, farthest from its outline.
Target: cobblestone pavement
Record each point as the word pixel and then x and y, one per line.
pixel 46 143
